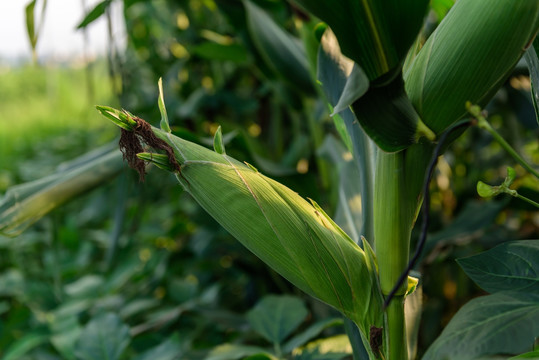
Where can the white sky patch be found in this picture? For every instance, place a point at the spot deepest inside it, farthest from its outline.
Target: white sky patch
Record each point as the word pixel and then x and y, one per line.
pixel 59 39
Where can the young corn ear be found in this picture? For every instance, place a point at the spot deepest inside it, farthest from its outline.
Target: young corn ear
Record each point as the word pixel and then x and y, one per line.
pixel 468 57
pixel 296 238
pixel 376 34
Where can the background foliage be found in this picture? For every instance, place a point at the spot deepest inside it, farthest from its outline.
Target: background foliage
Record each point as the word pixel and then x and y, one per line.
pixel 140 269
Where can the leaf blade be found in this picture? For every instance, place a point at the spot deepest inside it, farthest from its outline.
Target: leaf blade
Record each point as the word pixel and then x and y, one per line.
pixel 502 323
pixel 512 266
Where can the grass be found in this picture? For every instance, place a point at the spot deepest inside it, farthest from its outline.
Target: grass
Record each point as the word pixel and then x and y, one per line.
pixel 48 109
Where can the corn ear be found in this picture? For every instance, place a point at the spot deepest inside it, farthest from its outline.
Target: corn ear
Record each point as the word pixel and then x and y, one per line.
pixel 468 57
pixel 294 237
pixel 283 230
pixel 376 34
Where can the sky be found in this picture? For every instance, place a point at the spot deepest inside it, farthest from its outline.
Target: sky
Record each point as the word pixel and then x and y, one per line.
pixel 59 39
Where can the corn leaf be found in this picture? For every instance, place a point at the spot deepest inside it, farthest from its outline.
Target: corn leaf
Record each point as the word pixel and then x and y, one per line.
pixel 94 14
pixel 30 24
pixel 384 112
pixel 349 207
pixel 388 117
pixel 281 51
pixel 356 86
pixel 375 34
pixel 24 204
pixel 468 57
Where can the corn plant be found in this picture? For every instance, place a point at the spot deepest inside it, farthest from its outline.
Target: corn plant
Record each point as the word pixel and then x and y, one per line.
pixel 397 101
pixel 383 85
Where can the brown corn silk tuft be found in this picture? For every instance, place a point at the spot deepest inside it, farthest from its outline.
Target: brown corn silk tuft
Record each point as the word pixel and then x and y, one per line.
pixel 130 145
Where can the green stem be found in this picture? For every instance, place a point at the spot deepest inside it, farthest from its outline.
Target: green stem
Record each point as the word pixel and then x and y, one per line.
pixel 392 227
pixel 529 201
pixel 482 123
pixel 397 329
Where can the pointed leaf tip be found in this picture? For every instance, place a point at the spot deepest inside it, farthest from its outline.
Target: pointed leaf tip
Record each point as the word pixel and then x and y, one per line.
pixel 218 145
pixel 165 126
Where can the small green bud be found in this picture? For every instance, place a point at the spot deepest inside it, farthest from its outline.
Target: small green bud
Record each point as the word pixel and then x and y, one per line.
pixel 511 175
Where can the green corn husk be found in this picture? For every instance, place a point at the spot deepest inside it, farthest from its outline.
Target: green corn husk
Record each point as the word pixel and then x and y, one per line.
pixel 376 34
pixel 296 238
pixel 468 57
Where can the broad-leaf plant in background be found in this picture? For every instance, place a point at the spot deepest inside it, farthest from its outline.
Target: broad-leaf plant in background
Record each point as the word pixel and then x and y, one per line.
pixel 397 101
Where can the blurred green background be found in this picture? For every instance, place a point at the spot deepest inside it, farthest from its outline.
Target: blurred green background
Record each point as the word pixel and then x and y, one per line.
pixel 178 284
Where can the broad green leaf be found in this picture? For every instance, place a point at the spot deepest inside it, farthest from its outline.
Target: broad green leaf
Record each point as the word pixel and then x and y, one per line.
pixel 94 14
pixel 65 332
pixel 220 52
pixel 331 348
pixel 170 349
pixel 84 286
pixel 22 346
pixel 501 323
pixel 348 214
pixel 473 218
pixel 384 112
pixel 356 86
pixel 309 333
pixel 358 342
pixel 275 317
pixel 512 266
pixel 389 118
pixel 104 337
pixel 233 352
pixel 532 59
pixel 280 50
pixel 468 57
pixel 24 204
pixel 333 69
pixel 441 7
pixel 380 34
